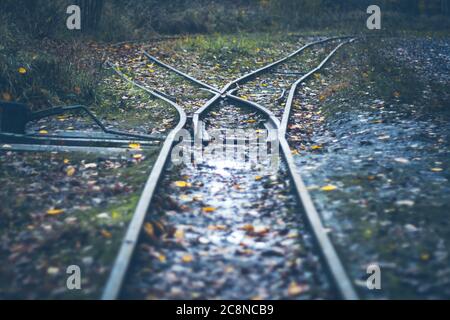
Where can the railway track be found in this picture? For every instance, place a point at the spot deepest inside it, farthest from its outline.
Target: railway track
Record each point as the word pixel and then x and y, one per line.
pixel 256 117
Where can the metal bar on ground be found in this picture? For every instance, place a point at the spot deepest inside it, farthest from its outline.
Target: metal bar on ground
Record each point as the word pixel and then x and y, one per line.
pixel 121 264
pixel 290 100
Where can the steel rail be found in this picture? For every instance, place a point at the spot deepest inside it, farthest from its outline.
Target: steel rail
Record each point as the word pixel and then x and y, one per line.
pixel 333 263
pixel 292 91
pixel 70 141
pixel 220 93
pixel 64 148
pixel 123 259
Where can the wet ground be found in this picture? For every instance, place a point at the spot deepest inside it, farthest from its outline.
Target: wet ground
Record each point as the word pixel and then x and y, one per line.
pixel 225 228
pixel 387 157
pixel 370 135
pixel 60 209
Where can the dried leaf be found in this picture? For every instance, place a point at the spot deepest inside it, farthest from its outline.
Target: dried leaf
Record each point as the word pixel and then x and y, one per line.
pixel 70 171
pixel 149 230
pixel 208 209
pixel 106 234
pixel 6 96
pixel 295 289
pixel 218 227
pixel 179 234
pixel 134 146
pixel 55 212
pixel 328 188
pixel 187 258
pixel 182 184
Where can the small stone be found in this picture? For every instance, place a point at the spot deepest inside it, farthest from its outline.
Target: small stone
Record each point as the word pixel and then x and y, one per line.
pixel 405 203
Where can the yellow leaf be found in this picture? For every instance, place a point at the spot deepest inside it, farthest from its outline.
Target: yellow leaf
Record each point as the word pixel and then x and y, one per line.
pixel 258 178
pixel 437 169
pixel 70 171
pixel 22 70
pixel 137 156
pixel 425 256
pixel 218 227
pixel 162 258
pixel 244 97
pixel 149 230
pixel 322 98
pixel 54 212
pixel 43 132
pixel 66 161
pixel 134 146
pixel 182 184
pixel 187 258
pixel 209 209
pixel 328 188
pixel 251 121
pixel 316 147
pixel 106 234
pixel 295 289
pixel 179 234
pixel 317 76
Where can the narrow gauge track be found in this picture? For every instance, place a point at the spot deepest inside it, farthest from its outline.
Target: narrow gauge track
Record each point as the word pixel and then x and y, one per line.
pixel 327 251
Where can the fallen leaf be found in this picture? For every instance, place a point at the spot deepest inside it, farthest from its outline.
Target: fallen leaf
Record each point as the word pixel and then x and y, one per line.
pixel 70 171
pixel 316 147
pixel 55 212
pixel 22 70
pixel 258 178
pixel 425 256
pixel 106 234
pixel 260 230
pixel 179 234
pixel 43 132
pixel 328 188
pixel 149 230
pixel 137 156
pixel 162 258
pixel 295 289
pixel 187 258
pixel 134 146
pixel 218 227
pixel 248 228
pixel 208 209
pixel 437 169
pixel 6 96
pixel 182 184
